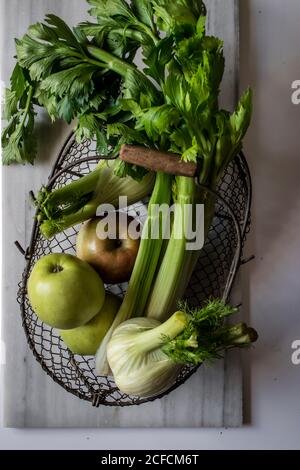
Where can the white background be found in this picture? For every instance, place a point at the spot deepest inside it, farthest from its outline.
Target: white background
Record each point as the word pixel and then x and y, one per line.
pixel 270 62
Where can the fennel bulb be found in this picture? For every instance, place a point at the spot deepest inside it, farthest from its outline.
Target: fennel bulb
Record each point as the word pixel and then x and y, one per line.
pixel 145 356
pixel 134 353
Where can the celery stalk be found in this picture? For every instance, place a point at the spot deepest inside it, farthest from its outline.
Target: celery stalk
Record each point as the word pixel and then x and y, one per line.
pixel 144 269
pixel 169 277
pixel 192 257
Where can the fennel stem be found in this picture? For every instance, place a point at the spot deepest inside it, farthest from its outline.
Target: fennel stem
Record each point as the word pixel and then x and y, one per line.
pixel 154 338
pixel 78 201
pixel 69 205
pixel 51 227
pixel 205 336
pixel 84 185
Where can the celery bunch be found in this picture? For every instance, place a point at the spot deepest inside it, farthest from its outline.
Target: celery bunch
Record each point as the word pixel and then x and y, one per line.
pixel 188 68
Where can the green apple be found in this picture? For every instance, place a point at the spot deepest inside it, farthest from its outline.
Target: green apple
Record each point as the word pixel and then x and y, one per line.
pixel 85 340
pixel 64 291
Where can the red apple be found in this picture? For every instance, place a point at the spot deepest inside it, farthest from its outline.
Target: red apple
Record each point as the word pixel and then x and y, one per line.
pixel 110 248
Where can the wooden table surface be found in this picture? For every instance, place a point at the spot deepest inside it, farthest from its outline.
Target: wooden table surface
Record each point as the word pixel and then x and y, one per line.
pixel 213 396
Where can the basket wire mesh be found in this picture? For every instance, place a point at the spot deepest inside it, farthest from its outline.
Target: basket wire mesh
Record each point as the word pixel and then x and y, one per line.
pixel 213 276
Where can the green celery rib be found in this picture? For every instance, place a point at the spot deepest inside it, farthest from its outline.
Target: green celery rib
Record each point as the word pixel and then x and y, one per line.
pixel 144 269
pixel 169 277
pixel 124 69
pixel 110 61
pixel 192 257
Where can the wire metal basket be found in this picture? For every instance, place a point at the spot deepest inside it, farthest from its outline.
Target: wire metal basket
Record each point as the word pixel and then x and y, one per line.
pixel 214 274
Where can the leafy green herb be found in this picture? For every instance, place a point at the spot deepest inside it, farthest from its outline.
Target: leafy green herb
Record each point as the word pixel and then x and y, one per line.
pixel 18 142
pixel 205 336
pixel 55 71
